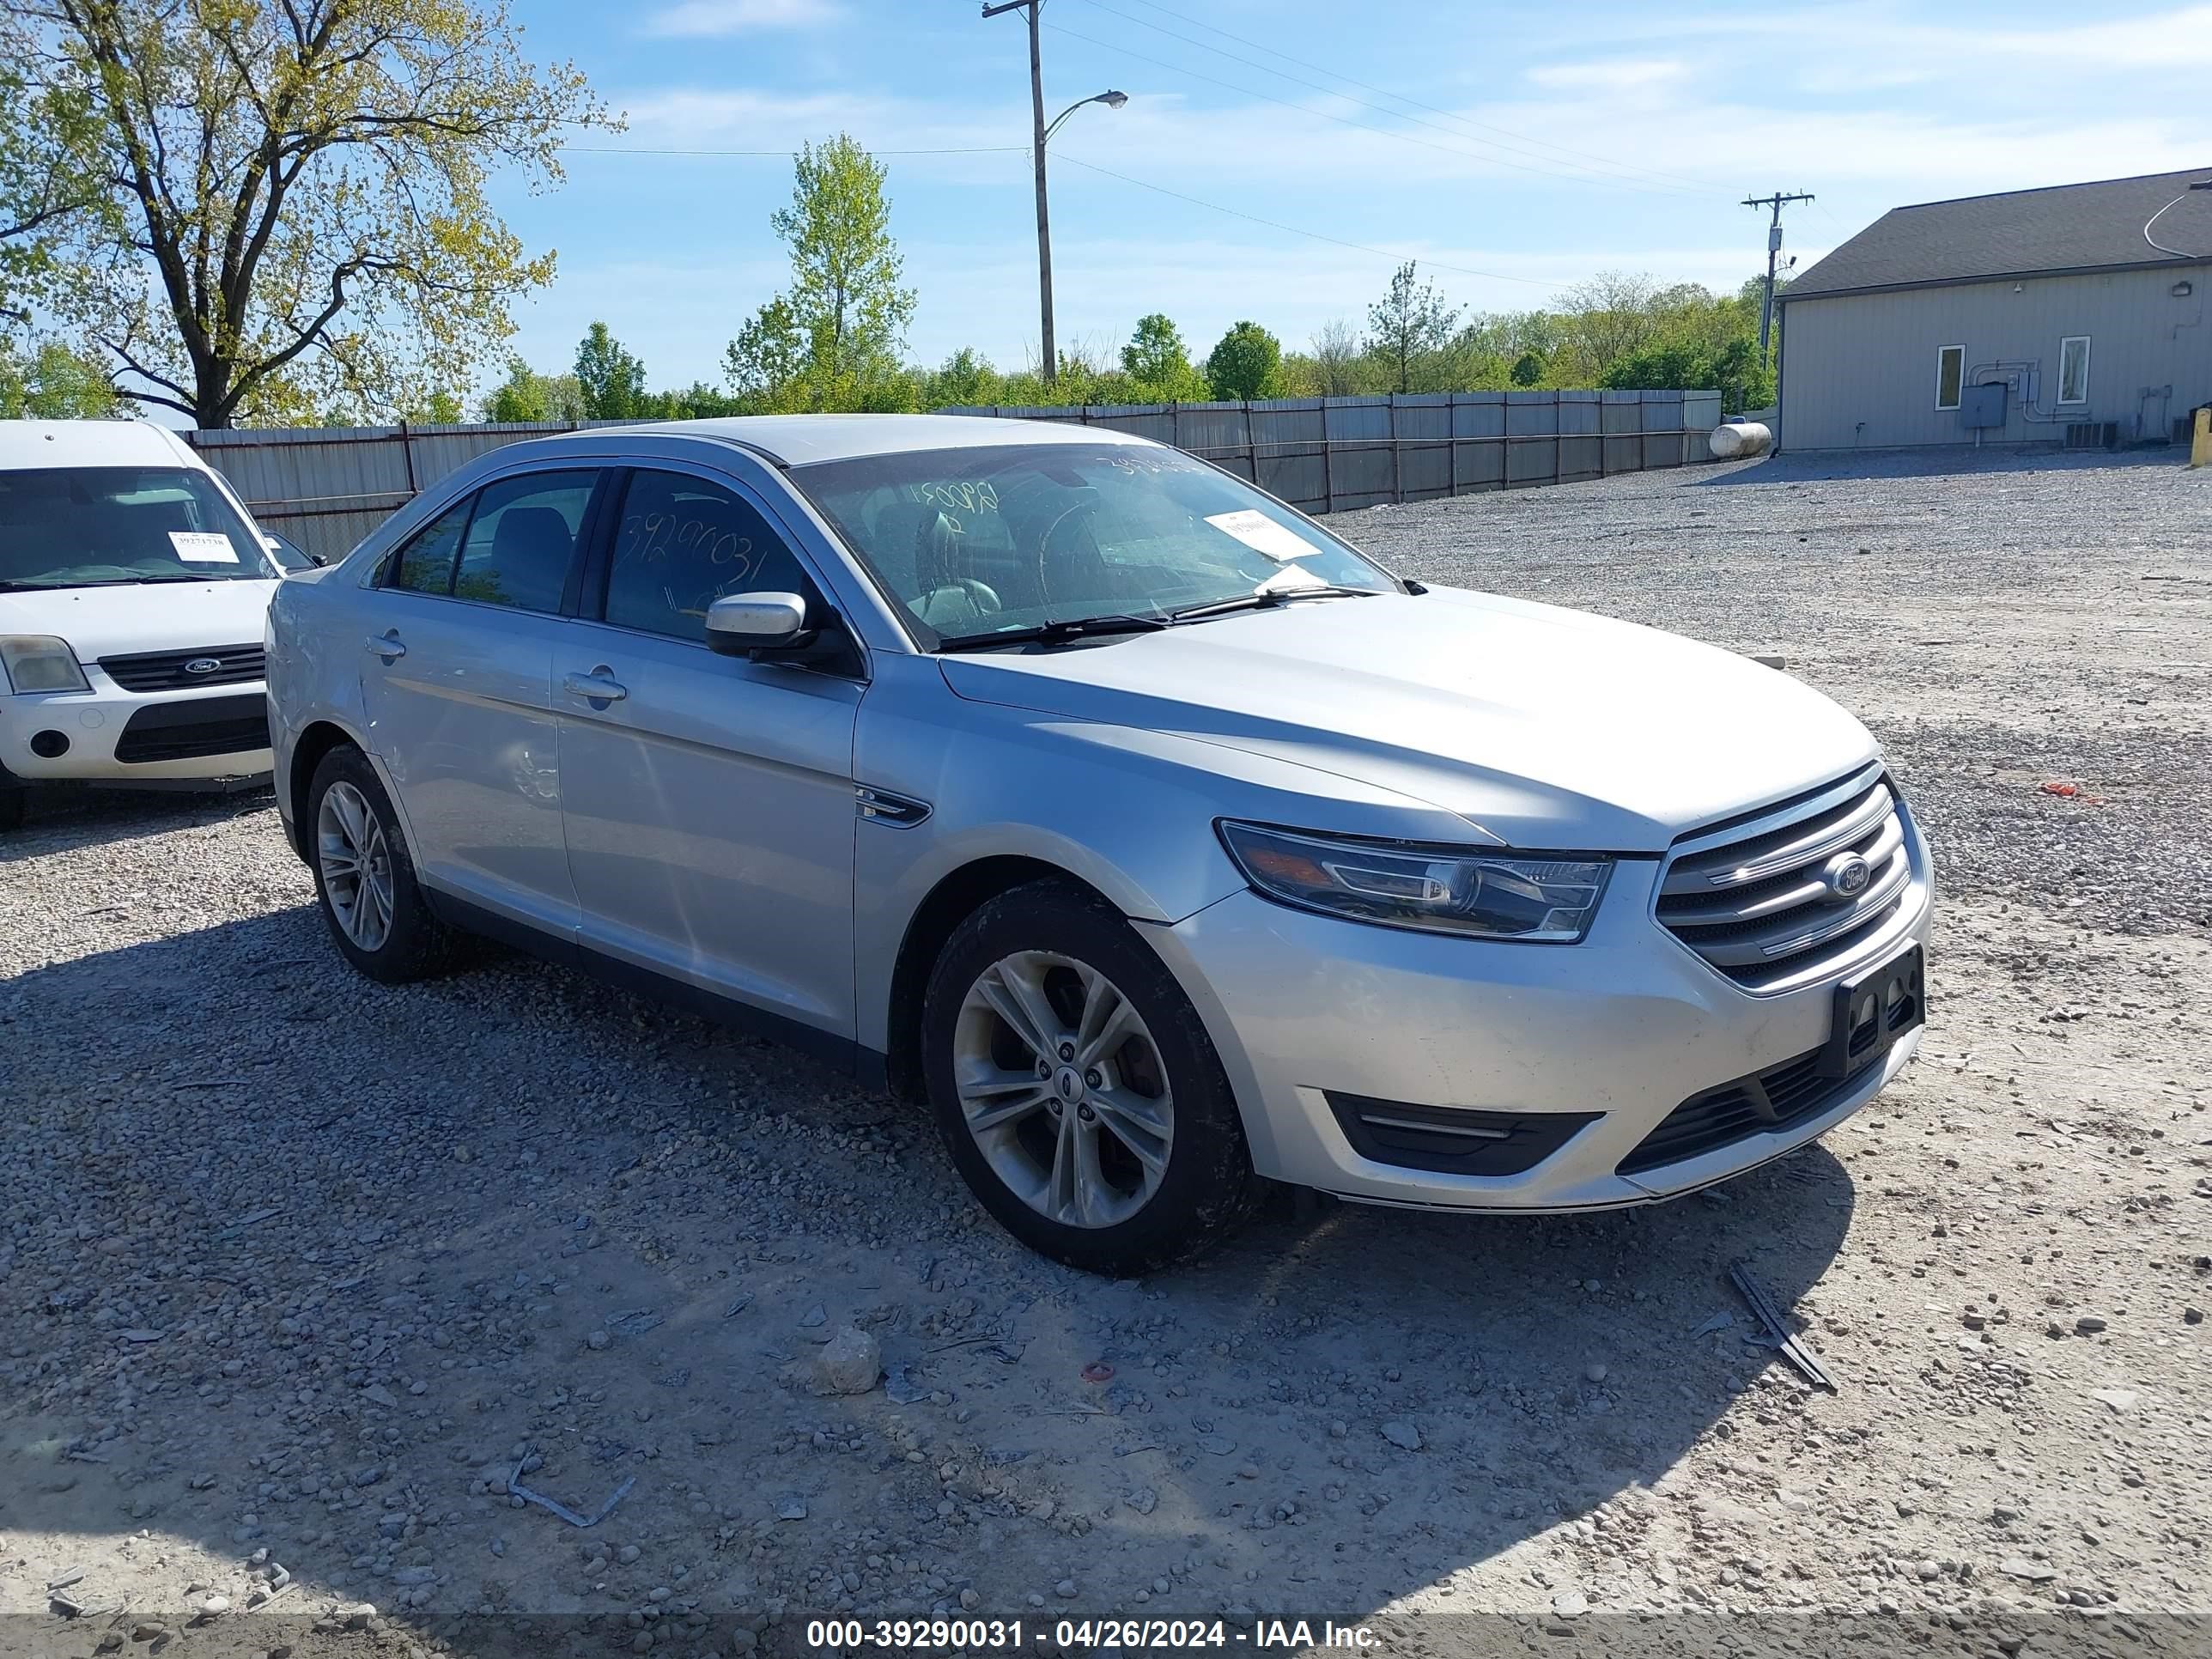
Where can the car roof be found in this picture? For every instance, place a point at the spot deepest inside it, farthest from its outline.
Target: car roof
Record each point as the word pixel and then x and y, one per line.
pixel 803 440
pixel 24 444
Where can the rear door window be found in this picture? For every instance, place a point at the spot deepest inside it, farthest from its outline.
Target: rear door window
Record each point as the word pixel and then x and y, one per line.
pixel 521 539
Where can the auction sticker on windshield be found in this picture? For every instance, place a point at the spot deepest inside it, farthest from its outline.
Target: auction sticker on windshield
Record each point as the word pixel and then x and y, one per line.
pixel 203 547
pixel 1262 534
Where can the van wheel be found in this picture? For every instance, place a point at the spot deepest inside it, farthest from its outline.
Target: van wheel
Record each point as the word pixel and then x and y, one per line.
pixel 1076 1090
pixel 366 881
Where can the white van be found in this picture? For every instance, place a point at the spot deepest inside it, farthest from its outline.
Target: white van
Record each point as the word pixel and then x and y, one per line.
pixel 134 589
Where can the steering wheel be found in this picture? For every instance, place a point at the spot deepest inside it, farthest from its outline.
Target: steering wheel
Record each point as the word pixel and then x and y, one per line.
pixel 1044 548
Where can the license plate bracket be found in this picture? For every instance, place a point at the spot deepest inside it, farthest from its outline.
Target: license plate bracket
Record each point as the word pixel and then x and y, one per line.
pixel 1874 1008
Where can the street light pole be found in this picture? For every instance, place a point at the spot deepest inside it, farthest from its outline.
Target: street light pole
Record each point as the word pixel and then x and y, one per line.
pixel 1039 134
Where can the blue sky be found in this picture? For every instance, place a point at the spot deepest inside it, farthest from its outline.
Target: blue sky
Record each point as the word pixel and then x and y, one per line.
pixel 1510 149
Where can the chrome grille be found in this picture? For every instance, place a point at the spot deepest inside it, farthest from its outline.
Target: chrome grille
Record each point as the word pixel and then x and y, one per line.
pixel 1770 900
pixel 182 670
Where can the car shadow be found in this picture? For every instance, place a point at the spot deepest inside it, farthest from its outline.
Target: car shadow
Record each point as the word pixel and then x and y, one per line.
pixel 325 1257
pixel 1932 461
pixel 58 819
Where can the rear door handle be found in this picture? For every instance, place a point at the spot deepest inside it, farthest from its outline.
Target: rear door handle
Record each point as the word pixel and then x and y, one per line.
pixel 597 686
pixel 386 646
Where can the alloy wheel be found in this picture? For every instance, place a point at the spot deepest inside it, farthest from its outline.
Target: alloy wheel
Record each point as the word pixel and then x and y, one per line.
pixel 357 866
pixel 1063 1089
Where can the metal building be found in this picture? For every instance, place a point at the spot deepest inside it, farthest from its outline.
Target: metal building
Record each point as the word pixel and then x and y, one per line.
pixel 2071 314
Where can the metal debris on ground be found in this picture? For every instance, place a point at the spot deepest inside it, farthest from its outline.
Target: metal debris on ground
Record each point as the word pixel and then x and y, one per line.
pixel 635 1322
pixel 515 1488
pixel 1791 1349
pixel 737 1305
pixel 253 1220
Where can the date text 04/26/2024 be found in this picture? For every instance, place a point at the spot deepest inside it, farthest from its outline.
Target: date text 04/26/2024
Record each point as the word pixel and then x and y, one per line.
pixel 1289 1635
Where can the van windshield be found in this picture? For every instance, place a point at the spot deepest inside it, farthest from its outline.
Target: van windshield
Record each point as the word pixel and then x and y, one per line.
pixel 101 526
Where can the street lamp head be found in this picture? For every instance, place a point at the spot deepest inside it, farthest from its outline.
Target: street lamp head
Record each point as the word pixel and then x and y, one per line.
pixel 1115 99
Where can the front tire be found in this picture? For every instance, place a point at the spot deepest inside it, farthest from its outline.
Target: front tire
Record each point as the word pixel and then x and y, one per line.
pixel 1076 1088
pixel 376 910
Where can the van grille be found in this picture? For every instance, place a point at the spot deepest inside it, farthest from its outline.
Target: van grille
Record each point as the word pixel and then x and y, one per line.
pixel 194 729
pixel 1776 897
pixel 181 670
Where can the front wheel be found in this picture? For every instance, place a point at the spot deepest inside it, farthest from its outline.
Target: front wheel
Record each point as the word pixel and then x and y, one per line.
pixel 1076 1090
pixel 375 909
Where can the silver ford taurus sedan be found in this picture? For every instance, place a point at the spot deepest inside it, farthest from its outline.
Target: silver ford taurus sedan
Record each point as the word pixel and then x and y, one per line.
pixel 1156 838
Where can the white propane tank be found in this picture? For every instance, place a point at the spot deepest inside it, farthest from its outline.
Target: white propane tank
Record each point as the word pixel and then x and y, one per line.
pixel 1739 440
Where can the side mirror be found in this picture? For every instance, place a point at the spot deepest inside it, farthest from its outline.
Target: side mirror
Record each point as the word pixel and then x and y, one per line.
pixel 745 623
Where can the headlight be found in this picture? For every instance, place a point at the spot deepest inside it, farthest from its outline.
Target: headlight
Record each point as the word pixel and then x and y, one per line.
pixel 1434 888
pixel 39 662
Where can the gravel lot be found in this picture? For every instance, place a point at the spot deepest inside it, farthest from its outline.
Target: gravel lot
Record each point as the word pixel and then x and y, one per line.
pixel 297 1272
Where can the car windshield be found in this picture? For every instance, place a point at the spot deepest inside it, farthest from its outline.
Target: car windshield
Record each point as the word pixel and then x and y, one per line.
pixel 971 542
pixel 98 526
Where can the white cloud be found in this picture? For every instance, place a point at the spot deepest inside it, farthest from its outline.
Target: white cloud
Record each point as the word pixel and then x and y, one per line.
pixel 1618 75
pixel 719 17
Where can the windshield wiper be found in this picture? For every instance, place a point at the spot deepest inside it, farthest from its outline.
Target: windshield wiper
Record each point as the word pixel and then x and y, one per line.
pixel 1267 599
pixel 1060 632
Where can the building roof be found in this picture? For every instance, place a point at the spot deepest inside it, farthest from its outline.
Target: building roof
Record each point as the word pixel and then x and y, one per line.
pixel 2061 227
pixel 800 440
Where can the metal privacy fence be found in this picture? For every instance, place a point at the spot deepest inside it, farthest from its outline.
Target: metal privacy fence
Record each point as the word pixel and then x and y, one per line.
pixel 327 488
pixel 1335 454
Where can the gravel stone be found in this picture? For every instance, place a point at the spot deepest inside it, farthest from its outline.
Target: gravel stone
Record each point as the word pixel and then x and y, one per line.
pixel 219 1133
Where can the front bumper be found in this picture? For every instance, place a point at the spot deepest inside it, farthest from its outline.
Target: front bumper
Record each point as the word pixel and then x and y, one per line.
pixel 115 736
pixel 1619 1029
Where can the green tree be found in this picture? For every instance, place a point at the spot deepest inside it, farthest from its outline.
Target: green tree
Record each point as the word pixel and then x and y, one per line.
pixel 846 303
pixel 1158 363
pixel 1409 323
pixel 54 383
pixel 526 396
pixel 611 380
pixel 1245 364
pixel 965 379
pixel 293 217
pixel 46 179
pixel 1528 369
pixel 766 364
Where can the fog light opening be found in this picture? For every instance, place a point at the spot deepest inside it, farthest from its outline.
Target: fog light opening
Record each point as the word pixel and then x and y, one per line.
pixel 50 745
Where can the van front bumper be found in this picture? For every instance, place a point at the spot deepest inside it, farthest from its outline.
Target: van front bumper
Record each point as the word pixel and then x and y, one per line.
pixel 1357 1053
pixel 109 735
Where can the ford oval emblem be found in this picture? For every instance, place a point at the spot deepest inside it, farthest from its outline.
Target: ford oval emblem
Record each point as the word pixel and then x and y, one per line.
pixel 1846 876
pixel 204 665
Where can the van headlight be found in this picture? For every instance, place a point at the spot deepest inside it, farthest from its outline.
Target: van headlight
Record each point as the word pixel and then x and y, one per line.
pixel 1435 890
pixel 40 662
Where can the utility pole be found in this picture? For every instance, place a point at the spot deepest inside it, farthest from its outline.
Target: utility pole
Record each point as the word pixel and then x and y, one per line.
pixel 1051 365
pixel 1774 247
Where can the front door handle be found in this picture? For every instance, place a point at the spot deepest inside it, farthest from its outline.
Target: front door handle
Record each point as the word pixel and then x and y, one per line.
pixel 386 646
pixel 599 686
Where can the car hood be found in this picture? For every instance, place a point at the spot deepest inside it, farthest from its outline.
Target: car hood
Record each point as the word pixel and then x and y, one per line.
pixel 108 621
pixel 1544 728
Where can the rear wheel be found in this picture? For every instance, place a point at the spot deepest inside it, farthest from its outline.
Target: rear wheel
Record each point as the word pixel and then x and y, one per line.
pixel 1076 1090
pixel 376 910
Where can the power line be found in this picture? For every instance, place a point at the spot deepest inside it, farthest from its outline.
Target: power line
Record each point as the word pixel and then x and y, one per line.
pixel 1346 121
pixel 1296 230
pixel 1615 171
pixel 1676 178
pixel 1092 166
pixel 786 155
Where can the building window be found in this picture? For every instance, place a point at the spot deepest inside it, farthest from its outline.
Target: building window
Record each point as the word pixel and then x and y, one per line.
pixel 1950 373
pixel 2074 369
